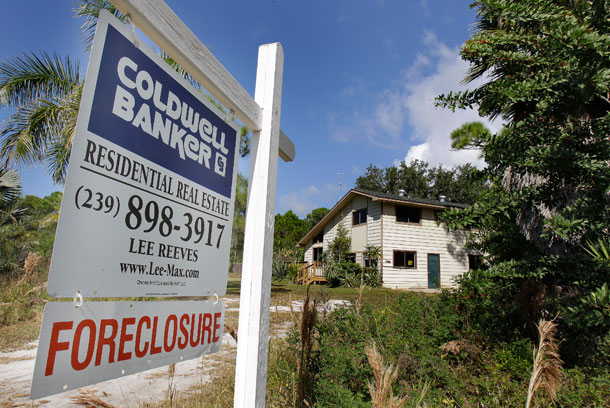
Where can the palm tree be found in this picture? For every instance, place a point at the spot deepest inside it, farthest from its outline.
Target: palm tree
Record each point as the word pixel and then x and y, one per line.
pixel 10 188
pixel 45 91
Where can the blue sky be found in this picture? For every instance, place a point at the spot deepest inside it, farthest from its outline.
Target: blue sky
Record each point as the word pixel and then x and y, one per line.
pixel 360 77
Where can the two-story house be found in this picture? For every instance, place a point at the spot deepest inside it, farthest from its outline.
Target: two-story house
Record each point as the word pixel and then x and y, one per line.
pixel 416 251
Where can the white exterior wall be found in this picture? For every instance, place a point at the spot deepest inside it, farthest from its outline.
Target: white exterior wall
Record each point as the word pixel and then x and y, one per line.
pixel 361 235
pixel 425 238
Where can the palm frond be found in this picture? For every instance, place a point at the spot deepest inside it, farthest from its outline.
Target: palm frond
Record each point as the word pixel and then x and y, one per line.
pixel 29 77
pixel 59 147
pixel 42 130
pixel 10 186
pixel 90 10
pixel 181 71
pixel 599 250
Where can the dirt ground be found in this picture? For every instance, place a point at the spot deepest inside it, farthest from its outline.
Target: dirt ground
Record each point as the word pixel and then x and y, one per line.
pixel 17 367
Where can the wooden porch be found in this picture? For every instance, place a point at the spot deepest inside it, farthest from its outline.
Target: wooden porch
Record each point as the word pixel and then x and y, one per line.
pixel 310 272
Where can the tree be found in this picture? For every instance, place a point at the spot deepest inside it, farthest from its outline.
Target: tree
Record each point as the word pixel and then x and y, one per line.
pixel 472 135
pixel 289 229
pixel 45 91
pixel 315 217
pixel 373 179
pixel 239 218
pixel 552 158
pixel 548 75
pixel 10 188
pixel 462 184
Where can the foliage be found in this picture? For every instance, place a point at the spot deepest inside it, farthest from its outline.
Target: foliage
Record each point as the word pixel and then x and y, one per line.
pixel 10 187
pixel 547 75
pixel 461 184
pixel 32 231
pixel 595 308
pixel 315 216
pixel 409 333
pixel 472 135
pixel 90 11
pixel 340 246
pixel 439 361
pixel 45 91
pixel 288 230
pixel 239 219
pixel 26 244
pixel 285 264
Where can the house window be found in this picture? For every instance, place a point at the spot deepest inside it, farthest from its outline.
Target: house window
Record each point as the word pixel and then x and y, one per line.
pixel 359 216
pixel 408 214
pixel 350 258
pixel 370 262
pixel 474 261
pixel 405 259
pixel 317 254
pixel 319 238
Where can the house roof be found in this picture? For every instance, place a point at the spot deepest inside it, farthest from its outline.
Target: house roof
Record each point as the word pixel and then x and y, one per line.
pixel 376 196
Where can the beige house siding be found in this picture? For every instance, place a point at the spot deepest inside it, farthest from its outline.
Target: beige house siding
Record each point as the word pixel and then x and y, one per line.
pixel 374 222
pixel 424 238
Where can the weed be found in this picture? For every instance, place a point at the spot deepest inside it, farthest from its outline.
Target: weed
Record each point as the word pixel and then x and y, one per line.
pixel 546 373
pixel 382 395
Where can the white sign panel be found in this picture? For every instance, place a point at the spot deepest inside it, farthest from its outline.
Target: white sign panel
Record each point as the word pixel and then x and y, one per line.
pixel 103 340
pixel 149 196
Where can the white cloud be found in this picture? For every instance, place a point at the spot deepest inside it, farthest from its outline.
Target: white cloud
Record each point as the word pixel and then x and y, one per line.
pixel 404 116
pixel 304 200
pixel 431 126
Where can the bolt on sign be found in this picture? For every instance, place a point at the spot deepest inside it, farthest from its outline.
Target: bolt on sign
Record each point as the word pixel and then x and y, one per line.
pixel 99 341
pixel 149 195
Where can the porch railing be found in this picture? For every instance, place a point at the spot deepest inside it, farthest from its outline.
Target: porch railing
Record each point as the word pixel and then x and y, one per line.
pixel 310 272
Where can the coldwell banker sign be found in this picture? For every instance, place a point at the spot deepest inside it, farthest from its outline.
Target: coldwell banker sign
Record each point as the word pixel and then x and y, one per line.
pixel 147 211
pixel 148 202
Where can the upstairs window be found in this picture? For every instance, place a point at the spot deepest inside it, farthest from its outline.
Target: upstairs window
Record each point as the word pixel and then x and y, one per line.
pixel 405 259
pixel 359 216
pixel 405 213
pixel 319 238
pixel 475 261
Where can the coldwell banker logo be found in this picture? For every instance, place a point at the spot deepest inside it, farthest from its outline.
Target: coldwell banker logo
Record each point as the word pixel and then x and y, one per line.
pixel 140 107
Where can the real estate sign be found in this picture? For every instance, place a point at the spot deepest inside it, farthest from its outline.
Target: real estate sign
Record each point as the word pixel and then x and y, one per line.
pixel 149 195
pixel 103 340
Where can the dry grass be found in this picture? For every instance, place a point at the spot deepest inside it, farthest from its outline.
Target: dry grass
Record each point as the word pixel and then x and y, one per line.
pixel 546 373
pixel 382 395
pixel 16 336
pixel 307 327
pixel 89 399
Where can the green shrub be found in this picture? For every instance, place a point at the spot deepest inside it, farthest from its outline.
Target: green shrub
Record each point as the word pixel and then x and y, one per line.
pixel 343 273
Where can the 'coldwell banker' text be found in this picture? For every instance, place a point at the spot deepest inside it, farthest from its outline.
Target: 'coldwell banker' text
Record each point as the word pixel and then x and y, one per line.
pixel 171 120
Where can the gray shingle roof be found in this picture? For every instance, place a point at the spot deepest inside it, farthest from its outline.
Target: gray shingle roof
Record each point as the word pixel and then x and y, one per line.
pixel 406 199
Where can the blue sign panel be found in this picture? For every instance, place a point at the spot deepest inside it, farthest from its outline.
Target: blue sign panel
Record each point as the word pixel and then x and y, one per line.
pixel 140 107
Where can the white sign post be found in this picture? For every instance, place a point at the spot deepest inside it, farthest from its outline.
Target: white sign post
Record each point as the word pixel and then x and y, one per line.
pixel 251 369
pixel 262 116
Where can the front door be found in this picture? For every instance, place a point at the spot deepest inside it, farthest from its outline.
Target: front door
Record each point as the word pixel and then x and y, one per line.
pixel 434 271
